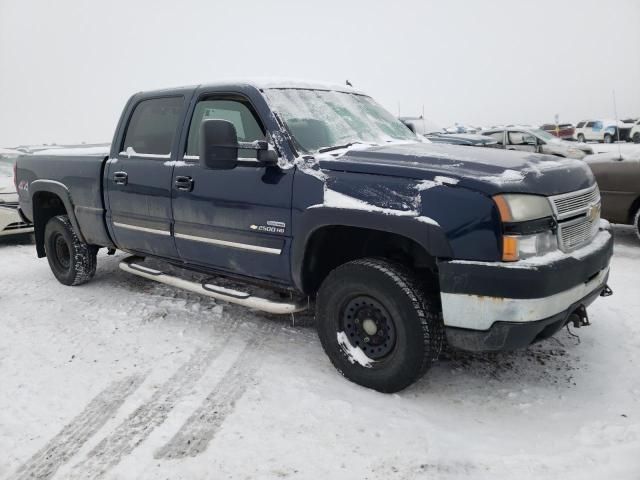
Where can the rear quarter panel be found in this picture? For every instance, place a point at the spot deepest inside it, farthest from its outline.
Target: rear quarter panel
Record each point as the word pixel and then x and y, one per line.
pixel 80 176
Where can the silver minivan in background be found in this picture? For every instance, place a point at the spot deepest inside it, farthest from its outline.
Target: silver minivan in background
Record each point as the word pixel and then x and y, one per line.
pixel 535 140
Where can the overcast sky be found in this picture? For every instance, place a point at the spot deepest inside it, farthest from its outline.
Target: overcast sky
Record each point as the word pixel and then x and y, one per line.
pixel 68 66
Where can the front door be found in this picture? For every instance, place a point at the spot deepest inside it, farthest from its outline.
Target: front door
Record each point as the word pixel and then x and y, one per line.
pixel 236 220
pixel 138 180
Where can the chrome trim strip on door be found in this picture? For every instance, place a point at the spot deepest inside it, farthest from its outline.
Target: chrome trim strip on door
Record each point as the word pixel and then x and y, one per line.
pixel 226 243
pixel 141 229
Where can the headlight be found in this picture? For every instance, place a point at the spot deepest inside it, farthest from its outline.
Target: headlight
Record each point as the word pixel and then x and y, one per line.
pixel 520 247
pixel 516 207
pixel 526 214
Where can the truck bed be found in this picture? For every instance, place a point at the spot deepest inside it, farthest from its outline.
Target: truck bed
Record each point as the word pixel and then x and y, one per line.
pixel 74 171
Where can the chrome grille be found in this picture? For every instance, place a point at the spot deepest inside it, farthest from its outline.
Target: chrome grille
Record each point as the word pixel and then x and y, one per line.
pixel 578 215
pixel 574 203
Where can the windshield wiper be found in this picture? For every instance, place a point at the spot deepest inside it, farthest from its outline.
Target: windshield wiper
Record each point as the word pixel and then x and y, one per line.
pixel 337 147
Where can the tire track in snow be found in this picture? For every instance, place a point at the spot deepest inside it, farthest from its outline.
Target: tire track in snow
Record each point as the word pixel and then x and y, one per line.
pixel 199 429
pixel 143 420
pixel 46 462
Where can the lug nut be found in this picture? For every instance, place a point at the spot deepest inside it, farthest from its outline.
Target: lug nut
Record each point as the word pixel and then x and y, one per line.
pixel 366 339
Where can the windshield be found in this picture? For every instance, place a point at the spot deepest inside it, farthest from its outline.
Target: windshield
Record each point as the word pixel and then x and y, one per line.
pixel 319 119
pixel 6 166
pixel 543 135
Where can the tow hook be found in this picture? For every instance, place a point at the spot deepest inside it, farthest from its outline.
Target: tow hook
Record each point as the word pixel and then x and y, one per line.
pixel 606 291
pixel 579 317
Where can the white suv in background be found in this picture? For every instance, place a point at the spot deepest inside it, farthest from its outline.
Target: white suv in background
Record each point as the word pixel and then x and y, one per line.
pixel 601 131
pixel 634 134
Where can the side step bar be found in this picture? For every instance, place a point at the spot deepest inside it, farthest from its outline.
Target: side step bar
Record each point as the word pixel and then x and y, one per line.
pixel 215 291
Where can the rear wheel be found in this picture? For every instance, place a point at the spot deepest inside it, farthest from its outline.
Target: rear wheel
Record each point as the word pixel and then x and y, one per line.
pixel 376 324
pixel 580 137
pixel 636 222
pixel 72 261
pixel 636 137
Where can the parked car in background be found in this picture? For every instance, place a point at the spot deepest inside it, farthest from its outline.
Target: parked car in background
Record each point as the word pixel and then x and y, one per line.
pixel 465 139
pixel 618 177
pixel 421 125
pixel 606 131
pixel 539 141
pixel 564 131
pixel 437 134
pixel 10 221
pixel 634 134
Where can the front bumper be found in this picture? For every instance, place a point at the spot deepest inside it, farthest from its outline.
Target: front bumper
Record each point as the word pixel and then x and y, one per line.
pixel 491 306
pixel 11 223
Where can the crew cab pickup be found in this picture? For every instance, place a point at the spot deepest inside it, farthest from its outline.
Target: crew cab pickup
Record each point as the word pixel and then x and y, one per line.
pixel 284 195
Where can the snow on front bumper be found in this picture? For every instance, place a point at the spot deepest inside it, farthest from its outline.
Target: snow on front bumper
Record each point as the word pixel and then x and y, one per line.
pixel 479 295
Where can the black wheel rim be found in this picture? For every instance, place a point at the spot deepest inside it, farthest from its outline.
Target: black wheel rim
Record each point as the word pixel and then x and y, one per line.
pixel 369 326
pixel 62 255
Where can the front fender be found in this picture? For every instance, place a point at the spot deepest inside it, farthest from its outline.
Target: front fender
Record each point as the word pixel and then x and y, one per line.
pixel 421 230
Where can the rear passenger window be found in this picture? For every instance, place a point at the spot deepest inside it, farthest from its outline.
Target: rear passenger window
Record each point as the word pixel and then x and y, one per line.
pixel 153 126
pixel 590 124
pixel 235 111
pixel 580 124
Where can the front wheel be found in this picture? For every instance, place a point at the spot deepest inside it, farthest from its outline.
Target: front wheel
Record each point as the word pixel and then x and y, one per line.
pixel 636 137
pixel 72 261
pixel 636 222
pixel 608 138
pixel 376 324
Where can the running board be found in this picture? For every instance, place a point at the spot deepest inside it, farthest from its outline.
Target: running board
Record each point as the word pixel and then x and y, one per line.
pixel 215 291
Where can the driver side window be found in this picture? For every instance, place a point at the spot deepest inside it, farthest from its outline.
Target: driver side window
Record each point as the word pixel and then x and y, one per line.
pixel 239 113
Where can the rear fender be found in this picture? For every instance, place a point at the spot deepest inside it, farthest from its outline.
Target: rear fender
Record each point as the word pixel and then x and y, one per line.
pixel 62 192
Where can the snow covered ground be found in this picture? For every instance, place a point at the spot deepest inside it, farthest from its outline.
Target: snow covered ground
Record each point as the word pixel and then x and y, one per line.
pixel 124 378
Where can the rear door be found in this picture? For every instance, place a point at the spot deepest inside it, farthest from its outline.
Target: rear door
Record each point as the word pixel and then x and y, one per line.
pixel 138 180
pixel 234 220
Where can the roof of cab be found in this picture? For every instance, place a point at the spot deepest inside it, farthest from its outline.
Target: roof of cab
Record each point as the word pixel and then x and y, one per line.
pixel 263 84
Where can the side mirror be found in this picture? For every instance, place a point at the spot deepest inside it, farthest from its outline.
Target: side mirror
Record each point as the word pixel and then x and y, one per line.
pixel 264 155
pixel 218 145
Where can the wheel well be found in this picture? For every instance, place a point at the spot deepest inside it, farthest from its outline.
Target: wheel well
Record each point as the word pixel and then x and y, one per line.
pixel 332 246
pixel 45 206
pixel 634 208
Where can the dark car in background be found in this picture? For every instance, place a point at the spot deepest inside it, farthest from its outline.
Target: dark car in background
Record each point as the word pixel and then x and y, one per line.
pixel 565 131
pixel 618 177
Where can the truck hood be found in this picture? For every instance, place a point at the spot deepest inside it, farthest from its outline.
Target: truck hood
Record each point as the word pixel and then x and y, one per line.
pixel 489 170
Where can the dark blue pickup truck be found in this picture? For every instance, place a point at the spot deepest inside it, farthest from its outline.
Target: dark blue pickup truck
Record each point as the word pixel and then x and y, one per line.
pixel 301 193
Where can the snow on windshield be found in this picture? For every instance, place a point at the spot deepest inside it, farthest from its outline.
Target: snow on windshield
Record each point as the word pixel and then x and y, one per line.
pixel 319 119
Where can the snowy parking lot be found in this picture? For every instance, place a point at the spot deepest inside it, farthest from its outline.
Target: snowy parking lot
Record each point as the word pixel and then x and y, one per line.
pixel 125 378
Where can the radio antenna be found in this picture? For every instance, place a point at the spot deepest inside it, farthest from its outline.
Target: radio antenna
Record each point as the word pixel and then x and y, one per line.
pixel 615 112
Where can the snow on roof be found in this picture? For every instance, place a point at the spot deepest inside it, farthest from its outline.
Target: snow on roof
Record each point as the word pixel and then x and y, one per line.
pixel 275 82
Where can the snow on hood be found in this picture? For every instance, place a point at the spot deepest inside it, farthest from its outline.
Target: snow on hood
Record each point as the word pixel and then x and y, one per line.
pixel 487 170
